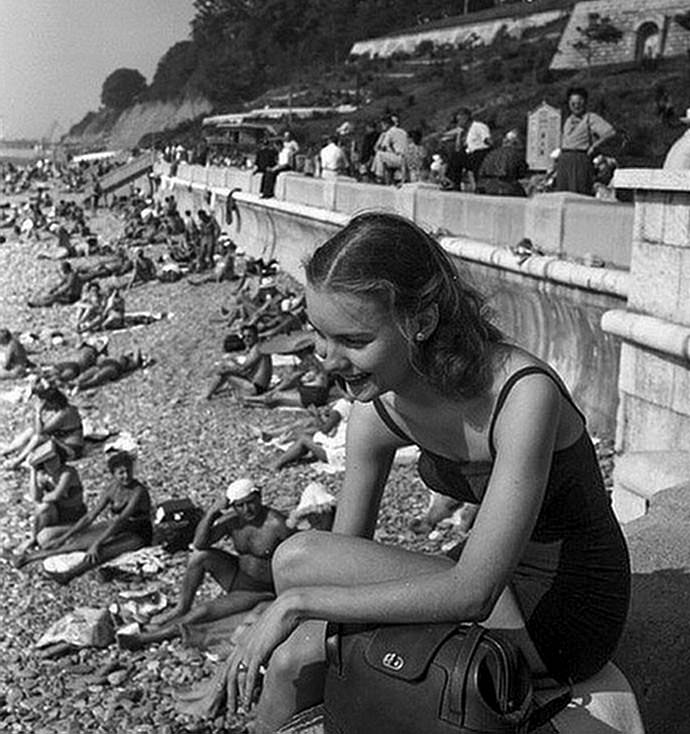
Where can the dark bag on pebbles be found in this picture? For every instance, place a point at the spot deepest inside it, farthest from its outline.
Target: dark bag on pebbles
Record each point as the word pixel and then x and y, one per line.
pixel 175 524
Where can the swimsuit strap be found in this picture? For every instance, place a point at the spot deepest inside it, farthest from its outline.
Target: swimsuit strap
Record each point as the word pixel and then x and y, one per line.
pixel 508 386
pixel 392 426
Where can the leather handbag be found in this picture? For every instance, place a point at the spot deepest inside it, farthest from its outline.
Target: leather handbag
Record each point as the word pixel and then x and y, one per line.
pixel 425 679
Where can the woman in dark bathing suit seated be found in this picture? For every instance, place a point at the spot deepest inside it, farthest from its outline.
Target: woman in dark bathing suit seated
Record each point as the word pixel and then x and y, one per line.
pixel 545 562
pixel 57 490
pixel 129 528
pixel 56 420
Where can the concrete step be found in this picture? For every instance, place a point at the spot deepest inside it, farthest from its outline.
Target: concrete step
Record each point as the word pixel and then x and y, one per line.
pixel 638 476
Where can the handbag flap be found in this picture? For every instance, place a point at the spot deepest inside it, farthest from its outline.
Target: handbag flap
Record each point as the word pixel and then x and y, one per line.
pixel 405 651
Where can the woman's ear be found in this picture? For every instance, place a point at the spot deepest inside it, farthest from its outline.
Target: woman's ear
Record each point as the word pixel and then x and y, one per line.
pixel 426 322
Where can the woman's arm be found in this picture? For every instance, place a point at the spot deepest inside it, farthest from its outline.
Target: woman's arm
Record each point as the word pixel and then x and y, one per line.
pixel 370 449
pixel 58 421
pixel 524 436
pixel 61 488
pixel 34 488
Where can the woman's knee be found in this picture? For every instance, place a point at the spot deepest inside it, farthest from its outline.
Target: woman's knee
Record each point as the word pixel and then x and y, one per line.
pixel 295 555
pixel 46 513
pixel 300 660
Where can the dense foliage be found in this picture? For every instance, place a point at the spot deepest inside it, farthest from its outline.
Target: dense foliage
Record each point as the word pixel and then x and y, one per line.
pixel 122 88
pixel 240 47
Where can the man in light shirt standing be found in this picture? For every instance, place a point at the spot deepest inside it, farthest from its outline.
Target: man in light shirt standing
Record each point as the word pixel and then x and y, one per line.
pixel 471 142
pixel 286 162
pixel 333 159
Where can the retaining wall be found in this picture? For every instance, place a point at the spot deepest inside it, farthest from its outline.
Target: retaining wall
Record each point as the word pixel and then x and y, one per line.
pixel 564 224
pixel 550 305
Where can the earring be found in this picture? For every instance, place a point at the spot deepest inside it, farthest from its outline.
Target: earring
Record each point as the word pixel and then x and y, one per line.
pixel 419 336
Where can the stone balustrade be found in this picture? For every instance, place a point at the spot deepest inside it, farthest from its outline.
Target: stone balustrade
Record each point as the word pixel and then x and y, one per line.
pixel 653 425
pixel 561 224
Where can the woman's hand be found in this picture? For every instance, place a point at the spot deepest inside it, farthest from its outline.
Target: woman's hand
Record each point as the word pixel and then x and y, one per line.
pixel 254 649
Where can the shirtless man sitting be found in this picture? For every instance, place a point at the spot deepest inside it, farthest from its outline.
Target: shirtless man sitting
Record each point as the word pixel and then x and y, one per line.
pixel 249 376
pixel 245 575
pixel 68 290
pixel 13 359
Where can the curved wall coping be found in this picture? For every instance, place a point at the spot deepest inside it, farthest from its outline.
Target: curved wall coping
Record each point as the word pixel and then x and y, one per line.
pixel 547 268
pixel 648 331
pixel 542 267
pixel 654 179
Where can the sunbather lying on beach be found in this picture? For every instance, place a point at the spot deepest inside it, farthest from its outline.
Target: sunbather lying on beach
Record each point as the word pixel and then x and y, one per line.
pixel 249 374
pixel 56 420
pixel 245 576
pixel 87 356
pixel 67 290
pixel 108 369
pixel 129 528
pixel 326 445
pixel 13 360
pixel 116 265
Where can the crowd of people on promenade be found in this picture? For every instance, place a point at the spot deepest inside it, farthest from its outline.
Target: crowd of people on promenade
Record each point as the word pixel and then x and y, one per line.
pixel 386 350
pixel 468 156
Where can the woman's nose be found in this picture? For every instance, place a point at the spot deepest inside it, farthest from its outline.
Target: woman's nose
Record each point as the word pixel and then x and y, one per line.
pixel 332 357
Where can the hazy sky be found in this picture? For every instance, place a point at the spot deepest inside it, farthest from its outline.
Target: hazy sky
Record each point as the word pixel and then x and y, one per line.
pixel 55 54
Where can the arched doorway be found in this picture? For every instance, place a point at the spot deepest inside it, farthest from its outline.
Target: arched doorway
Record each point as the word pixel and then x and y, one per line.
pixel 648 43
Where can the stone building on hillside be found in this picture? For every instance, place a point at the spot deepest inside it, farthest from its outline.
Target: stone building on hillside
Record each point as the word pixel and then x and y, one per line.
pixel 480 27
pixel 649 31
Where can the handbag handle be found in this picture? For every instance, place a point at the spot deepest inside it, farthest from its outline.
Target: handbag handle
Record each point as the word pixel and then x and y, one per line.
pixel 460 671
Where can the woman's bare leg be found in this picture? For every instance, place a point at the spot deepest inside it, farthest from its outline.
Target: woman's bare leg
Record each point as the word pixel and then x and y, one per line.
pixel 294 680
pixel 33 442
pixel 18 442
pixel 112 549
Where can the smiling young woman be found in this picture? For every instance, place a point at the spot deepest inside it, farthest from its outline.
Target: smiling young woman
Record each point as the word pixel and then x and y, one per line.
pixel 545 562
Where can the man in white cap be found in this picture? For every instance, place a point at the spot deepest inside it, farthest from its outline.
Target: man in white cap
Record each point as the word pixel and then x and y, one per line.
pixel 678 156
pixel 245 576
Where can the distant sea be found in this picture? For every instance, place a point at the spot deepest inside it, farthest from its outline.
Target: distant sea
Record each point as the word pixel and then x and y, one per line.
pixel 17 155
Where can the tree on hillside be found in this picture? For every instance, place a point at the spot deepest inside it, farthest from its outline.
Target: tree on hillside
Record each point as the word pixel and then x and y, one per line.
pixel 599 30
pixel 121 88
pixel 174 71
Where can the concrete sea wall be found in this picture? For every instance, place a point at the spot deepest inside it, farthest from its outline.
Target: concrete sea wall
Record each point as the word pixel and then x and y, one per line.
pixel 550 305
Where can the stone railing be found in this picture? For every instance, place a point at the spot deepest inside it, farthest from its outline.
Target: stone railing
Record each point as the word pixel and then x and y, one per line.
pixel 560 224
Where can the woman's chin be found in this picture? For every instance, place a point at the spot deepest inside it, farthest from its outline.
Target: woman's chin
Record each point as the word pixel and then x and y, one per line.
pixel 361 391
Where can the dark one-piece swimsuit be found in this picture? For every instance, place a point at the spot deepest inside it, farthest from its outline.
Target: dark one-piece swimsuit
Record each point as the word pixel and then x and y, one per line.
pixel 573 580
pixel 139 523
